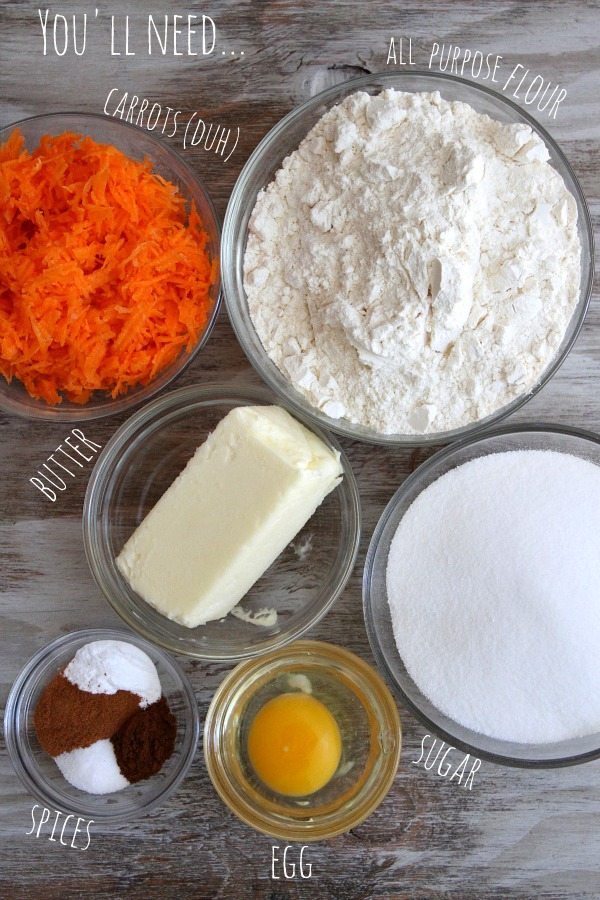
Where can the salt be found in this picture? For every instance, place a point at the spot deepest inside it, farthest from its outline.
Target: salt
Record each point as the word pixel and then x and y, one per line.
pixel 93 769
pixel 493 582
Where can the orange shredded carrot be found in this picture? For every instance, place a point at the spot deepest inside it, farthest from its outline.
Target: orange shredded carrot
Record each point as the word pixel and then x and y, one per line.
pixel 104 279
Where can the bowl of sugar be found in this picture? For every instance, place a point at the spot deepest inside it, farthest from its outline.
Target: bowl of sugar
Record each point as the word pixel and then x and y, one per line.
pixel 480 595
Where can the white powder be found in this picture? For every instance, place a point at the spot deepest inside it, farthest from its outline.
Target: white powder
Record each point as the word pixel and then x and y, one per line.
pixel 414 265
pixel 493 582
pixel 105 667
pixel 93 769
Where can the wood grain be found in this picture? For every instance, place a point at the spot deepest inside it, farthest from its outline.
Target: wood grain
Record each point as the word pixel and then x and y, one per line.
pixel 516 834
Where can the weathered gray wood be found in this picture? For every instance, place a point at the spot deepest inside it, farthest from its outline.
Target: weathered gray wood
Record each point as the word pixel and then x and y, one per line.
pixel 517 834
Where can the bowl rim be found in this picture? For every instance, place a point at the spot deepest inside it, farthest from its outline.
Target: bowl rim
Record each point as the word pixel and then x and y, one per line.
pixel 236 304
pixel 446 452
pixel 127 401
pixel 206 392
pixel 292 829
pixel 21 685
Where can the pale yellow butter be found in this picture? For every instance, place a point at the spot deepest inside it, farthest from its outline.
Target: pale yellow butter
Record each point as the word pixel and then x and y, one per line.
pixel 242 497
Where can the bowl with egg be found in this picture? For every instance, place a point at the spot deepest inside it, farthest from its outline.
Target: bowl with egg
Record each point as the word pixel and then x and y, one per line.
pixel 303 743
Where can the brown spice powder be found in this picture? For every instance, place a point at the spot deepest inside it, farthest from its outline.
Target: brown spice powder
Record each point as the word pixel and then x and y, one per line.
pixel 67 717
pixel 145 741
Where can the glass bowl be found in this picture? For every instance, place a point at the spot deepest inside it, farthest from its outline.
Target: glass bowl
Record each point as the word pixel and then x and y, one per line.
pixel 138 144
pixel 377 613
pixel 38 771
pixel 138 465
pixel 369 725
pixel 284 139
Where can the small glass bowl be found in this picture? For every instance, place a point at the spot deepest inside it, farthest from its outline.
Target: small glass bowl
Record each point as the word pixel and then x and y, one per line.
pixel 377 611
pixel 138 465
pixel 259 171
pixel 38 771
pixel 368 721
pixel 138 144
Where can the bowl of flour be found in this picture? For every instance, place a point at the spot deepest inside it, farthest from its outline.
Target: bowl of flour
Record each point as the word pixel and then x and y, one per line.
pixel 407 258
pixel 482 595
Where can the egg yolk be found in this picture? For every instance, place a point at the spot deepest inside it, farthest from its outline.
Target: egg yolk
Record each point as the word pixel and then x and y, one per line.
pixel 294 744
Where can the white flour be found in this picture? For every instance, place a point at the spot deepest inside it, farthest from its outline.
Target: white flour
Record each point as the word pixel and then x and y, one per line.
pixel 414 265
pixel 493 582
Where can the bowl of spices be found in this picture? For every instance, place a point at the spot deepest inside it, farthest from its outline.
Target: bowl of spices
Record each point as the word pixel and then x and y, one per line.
pixel 101 724
pixel 407 258
pixel 303 743
pixel 109 266
pixel 481 595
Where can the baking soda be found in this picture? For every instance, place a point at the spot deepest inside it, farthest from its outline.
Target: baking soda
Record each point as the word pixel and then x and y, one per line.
pixel 105 667
pixel 493 582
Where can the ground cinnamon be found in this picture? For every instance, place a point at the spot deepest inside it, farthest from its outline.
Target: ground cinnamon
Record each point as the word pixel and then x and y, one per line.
pixel 145 741
pixel 67 717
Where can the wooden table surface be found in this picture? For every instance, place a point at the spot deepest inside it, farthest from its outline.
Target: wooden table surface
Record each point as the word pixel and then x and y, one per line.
pixel 517 833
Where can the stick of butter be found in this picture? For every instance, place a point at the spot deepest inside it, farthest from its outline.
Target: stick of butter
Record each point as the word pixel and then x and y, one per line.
pixel 242 497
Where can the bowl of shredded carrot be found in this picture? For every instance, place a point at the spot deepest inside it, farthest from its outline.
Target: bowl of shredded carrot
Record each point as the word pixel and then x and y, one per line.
pixel 109 266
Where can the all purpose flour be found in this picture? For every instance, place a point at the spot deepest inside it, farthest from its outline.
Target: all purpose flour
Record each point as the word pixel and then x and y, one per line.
pixel 414 265
pixel 493 583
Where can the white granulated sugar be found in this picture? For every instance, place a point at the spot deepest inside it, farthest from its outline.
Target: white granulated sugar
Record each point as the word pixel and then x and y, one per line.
pixel 493 582
pixel 414 265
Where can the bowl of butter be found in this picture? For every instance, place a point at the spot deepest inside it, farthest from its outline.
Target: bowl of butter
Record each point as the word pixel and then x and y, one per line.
pixel 219 525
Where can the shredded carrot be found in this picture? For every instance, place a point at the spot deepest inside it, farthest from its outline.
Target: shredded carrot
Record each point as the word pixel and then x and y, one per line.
pixel 104 278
